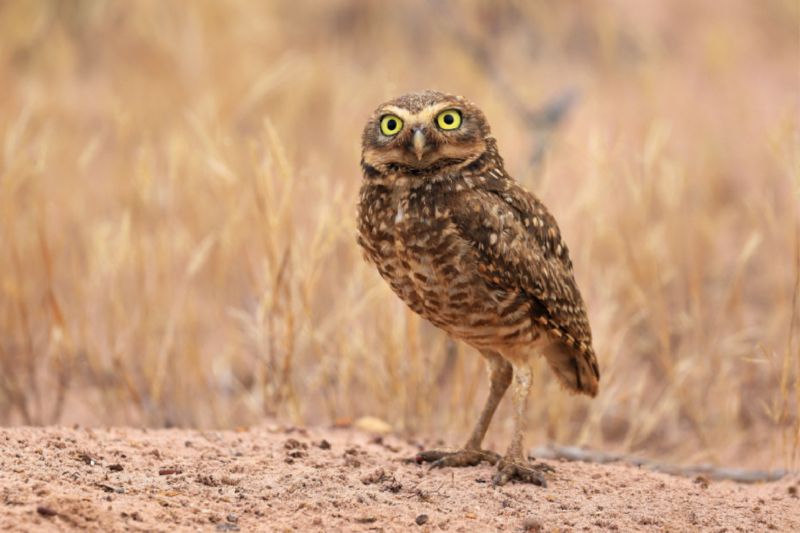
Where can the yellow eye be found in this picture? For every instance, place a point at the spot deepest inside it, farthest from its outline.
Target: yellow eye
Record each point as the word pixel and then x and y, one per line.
pixel 449 120
pixel 391 125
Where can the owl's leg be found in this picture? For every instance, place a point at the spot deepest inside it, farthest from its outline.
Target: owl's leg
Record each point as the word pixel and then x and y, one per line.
pixel 514 465
pixel 500 375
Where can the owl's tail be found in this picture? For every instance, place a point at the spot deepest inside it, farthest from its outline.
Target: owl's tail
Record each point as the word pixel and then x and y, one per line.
pixel 576 369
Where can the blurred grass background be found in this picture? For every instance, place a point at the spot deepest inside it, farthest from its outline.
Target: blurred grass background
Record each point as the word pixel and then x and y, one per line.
pixel 177 198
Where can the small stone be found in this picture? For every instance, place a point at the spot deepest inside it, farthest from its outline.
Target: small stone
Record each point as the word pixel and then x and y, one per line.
pixel 374 477
pixel 343 422
pixel 703 481
pixel 372 424
pixel 531 524
pixel 421 519
pixel 294 444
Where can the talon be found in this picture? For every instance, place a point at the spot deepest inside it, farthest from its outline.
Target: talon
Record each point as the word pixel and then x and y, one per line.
pixel 430 456
pixel 461 458
pixel 520 469
pixel 544 467
pixel 500 480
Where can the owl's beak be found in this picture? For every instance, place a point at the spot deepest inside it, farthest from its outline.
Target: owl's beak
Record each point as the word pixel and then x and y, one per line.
pixel 419 143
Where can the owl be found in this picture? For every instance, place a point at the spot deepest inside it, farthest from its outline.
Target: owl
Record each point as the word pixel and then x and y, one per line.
pixel 475 253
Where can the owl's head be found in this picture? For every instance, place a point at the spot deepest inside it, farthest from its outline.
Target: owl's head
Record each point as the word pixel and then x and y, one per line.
pixel 425 132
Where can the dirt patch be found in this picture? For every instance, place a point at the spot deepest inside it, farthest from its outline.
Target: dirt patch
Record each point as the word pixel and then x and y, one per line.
pixel 272 479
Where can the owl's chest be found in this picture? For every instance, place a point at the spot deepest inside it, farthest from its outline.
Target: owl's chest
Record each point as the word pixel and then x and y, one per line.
pixel 429 246
pixel 418 250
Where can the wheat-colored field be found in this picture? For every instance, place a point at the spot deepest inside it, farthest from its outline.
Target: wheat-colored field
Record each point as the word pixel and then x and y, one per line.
pixel 177 200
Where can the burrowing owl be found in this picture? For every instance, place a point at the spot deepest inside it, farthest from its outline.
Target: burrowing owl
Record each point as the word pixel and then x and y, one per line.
pixel 475 253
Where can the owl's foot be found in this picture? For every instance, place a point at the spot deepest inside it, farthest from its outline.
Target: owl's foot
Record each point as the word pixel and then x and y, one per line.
pixel 518 468
pixel 440 459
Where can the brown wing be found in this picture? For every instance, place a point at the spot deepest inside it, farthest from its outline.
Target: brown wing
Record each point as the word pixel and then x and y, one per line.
pixel 519 248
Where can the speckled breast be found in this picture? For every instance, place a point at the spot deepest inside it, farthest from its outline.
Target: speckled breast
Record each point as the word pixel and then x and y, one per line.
pixel 418 250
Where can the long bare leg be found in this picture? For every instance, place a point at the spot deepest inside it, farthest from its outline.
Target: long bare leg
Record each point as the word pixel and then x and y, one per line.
pixel 500 376
pixel 514 464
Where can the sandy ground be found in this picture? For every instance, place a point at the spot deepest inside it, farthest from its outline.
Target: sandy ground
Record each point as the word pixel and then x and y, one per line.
pixel 286 480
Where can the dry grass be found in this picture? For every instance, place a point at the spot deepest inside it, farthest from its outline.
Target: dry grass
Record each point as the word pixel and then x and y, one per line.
pixel 177 192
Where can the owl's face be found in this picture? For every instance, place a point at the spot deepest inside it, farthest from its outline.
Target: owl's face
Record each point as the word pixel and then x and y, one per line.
pixel 424 131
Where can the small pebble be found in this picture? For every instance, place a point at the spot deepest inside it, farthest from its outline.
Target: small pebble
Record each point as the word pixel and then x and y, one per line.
pixel 421 519
pixel 531 524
